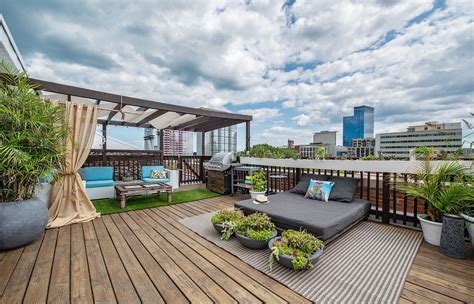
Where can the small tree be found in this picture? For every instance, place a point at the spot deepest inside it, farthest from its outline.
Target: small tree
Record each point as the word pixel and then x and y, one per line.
pixel 32 133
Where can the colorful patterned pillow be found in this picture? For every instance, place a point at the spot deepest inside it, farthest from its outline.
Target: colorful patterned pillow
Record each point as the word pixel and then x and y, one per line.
pixel 157 174
pixel 319 190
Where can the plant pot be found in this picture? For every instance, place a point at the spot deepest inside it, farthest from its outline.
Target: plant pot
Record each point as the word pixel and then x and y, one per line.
pixel 21 222
pixel 470 226
pixel 218 227
pixel 452 236
pixel 431 230
pixel 285 260
pixel 254 244
pixel 253 194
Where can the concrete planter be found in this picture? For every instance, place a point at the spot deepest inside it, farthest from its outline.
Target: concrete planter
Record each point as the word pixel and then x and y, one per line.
pixel 253 194
pixel 431 230
pixel 254 244
pixel 174 178
pixel 285 260
pixel 21 222
pixel 218 227
pixel 470 226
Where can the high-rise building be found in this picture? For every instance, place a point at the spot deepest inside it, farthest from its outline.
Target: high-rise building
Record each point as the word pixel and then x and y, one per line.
pixel 361 147
pixel 175 142
pixel 291 144
pixel 325 138
pixel 445 137
pixel 220 140
pixel 359 125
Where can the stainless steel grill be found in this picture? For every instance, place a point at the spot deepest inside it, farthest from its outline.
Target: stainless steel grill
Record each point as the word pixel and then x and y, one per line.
pixel 220 161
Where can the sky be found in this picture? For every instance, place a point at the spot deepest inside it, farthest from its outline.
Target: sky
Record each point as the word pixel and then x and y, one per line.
pixel 297 66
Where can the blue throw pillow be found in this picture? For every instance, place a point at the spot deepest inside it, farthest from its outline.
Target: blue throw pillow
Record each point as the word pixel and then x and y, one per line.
pixel 319 190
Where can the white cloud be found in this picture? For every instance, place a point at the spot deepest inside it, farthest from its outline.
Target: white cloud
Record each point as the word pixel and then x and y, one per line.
pixel 221 54
pixel 262 114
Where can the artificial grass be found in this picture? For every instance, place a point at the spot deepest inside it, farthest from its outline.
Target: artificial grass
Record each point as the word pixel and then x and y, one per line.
pixel 110 206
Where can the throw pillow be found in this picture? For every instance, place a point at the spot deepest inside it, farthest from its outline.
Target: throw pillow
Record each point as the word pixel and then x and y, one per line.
pixel 344 189
pixel 319 190
pixel 302 186
pixel 157 174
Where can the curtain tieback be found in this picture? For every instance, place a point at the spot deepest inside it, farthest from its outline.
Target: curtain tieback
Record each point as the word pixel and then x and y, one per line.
pixel 69 173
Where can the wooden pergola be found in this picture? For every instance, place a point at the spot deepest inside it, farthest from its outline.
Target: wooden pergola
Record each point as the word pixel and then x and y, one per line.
pixel 119 110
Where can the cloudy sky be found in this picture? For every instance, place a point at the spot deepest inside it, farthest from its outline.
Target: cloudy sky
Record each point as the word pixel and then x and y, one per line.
pixel 296 66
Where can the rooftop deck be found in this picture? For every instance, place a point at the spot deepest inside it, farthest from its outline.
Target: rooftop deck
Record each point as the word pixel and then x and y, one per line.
pixel 149 256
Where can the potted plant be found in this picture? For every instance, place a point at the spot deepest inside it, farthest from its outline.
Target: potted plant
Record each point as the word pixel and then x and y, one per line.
pixel 32 133
pixel 255 230
pixel 259 182
pixel 225 220
pixel 445 190
pixel 295 249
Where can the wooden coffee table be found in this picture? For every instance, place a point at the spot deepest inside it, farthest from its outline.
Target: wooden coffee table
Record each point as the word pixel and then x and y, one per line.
pixel 138 188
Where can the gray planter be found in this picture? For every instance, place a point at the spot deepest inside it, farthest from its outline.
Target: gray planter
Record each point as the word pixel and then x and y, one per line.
pixel 254 244
pixel 21 222
pixel 218 227
pixel 452 236
pixel 285 260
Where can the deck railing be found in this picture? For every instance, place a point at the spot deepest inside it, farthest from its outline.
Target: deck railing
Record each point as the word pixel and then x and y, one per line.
pixel 377 183
pixel 128 163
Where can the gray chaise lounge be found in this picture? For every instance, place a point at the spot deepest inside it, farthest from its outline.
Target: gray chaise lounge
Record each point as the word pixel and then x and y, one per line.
pixel 324 220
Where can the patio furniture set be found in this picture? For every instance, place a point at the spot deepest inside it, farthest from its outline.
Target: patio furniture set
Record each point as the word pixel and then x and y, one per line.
pixel 99 183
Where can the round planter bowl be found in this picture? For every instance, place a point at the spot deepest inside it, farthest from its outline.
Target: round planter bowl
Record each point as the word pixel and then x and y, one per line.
pixel 285 260
pixel 253 194
pixel 254 244
pixel 218 227
pixel 431 230
pixel 470 226
pixel 21 222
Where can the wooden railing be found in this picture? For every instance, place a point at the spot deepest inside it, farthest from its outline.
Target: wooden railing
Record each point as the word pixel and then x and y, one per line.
pixel 376 185
pixel 128 163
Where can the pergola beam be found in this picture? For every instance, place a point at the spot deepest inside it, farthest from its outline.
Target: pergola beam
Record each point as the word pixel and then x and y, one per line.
pixel 131 101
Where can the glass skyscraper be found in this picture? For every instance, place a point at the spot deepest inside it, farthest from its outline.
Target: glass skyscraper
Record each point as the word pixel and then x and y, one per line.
pixel 359 125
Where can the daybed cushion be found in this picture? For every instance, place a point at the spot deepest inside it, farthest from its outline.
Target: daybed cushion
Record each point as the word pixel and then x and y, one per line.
pixel 344 188
pixel 100 183
pixel 303 184
pixel 292 211
pixel 154 180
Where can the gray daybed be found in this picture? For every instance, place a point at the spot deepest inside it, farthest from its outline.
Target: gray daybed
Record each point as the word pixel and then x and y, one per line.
pixel 323 219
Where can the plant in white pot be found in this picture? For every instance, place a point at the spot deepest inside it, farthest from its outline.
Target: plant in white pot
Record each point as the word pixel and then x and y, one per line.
pixel 446 190
pixel 259 183
pixel 32 133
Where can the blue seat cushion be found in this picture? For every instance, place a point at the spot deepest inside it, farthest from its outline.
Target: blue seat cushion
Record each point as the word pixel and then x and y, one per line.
pixel 100 183
pixel 146 170
pixel 97 173
pixel 154 180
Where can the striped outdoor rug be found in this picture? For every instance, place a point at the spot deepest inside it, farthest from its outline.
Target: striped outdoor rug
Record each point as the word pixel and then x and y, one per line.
pixel 367 264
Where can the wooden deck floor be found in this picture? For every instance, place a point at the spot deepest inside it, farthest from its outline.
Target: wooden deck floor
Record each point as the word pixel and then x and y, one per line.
pixel 148 256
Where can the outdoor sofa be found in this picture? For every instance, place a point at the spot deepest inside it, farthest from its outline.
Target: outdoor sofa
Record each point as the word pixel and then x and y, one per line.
pixel 99 182
pixel 326 220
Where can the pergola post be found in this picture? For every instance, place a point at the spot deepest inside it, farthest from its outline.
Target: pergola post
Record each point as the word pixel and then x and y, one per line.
pixel 247 136
pixel 104 142
pixel 203 152
pixel 161 141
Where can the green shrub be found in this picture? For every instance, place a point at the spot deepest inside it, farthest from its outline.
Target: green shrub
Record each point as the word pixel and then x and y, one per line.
pixel 32 134
pixel 255 226
pixel 259 181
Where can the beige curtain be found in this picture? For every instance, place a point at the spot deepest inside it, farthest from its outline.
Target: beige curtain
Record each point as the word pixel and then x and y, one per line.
pixel 69 202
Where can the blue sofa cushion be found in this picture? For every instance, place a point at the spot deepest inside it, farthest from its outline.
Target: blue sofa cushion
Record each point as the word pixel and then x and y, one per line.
pixel 154 180
pixel 97 173
pixel 100 183
pixel 146 170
